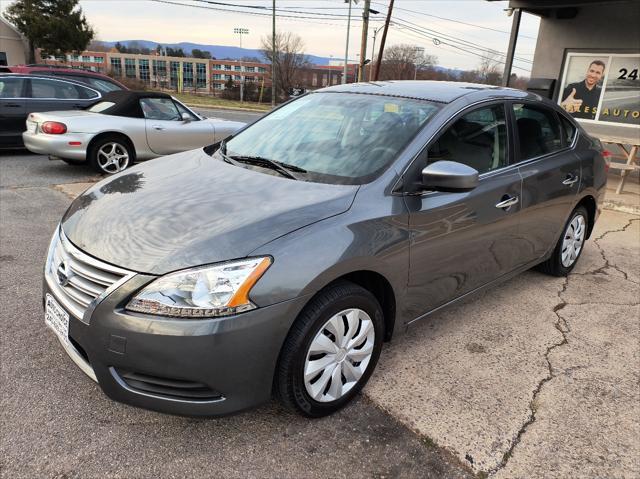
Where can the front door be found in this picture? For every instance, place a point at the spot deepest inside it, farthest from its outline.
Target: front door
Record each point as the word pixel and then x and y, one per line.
pixel 463 240
pixel 168 132
pixel 550 177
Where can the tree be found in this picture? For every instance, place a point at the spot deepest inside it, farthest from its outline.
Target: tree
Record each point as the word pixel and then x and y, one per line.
pixel 289 60
pixel 175 52
pixel 54 26
pixel 401 62
pixel 197 53
pixel 489 68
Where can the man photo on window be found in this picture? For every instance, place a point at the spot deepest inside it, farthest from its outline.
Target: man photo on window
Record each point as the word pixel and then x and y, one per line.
pixel 581 98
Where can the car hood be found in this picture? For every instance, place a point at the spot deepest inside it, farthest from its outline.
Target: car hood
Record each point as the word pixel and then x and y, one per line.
pixel 190 209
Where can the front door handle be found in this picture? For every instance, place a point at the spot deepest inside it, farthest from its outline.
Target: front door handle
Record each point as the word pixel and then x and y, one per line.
pixel 570 179
pixel 158 127
pixel 507 202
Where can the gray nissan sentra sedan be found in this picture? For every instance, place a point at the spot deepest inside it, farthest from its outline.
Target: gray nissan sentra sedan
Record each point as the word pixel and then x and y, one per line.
pixel 280 260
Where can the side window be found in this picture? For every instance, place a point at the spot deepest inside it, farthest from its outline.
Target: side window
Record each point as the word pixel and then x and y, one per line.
pixel 478 140
pixel 159 109
pixel 569 130
pixel 538 131
pixel 45 89
pixel 11 87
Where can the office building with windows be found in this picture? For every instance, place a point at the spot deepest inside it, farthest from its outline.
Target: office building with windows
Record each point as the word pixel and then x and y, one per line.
pixel 250 72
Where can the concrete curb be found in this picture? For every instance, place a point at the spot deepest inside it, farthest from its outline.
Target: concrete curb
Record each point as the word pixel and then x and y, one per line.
pixel 230 108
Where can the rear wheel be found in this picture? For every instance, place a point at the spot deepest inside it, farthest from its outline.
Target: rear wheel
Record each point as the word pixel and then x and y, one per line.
pixel 569 246
pixel 331 350
pixel 110 155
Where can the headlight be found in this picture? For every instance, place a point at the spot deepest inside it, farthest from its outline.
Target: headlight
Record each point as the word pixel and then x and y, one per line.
pixel 202 292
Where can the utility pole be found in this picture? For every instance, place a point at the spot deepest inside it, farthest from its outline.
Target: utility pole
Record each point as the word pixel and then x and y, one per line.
pixel 363 41
pixel 384 39
pixel 240 32
pixel 373 52
pixel 273 58
pixel 346 51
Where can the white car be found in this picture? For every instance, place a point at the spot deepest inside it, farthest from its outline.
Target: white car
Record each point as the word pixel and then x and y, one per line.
pixel 123 127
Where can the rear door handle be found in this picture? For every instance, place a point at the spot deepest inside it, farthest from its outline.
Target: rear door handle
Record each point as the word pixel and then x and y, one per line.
pixel 571 179
pixel 12 105
pixel 507 202
pixel 157 127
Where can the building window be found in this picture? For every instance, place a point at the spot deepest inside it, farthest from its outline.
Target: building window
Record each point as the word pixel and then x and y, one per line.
pixel 98 59
pixel 227 77
pixel 86 58
pixel 250 79
pixel 218 86
pixel 116 66
pixel 159 68
pixel 217 76
pixel 250 69
pixel 217 67
pixel 187 74
pixel 314 82
pixel 143 67
pixel 173 74
pixel 130 67
pixel 262 70
pixel 237 77
pixel 201 75
pixel 324 79
pixel 237 68
pixel 227 68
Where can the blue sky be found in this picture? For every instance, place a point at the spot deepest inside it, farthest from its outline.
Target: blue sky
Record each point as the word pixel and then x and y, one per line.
pixel 466 26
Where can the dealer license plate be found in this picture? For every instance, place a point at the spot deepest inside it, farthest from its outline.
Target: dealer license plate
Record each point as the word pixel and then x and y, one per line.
pixel 32 126
pixel 56 318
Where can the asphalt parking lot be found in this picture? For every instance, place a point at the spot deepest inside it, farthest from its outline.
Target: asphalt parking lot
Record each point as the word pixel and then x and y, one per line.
pixel 535 378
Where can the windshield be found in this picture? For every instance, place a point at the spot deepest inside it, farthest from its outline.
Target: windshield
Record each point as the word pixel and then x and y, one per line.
pixel 336 137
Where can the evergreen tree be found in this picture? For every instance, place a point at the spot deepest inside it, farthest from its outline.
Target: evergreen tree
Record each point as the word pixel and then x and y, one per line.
pixel 54 26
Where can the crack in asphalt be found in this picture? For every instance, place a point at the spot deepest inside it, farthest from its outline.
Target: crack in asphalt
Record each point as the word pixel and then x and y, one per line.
pixel 563 328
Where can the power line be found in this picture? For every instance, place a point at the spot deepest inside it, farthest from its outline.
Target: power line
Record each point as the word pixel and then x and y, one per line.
pixel 456 21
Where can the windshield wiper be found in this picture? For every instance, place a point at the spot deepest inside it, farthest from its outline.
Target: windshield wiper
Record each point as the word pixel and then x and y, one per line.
pixel 282 168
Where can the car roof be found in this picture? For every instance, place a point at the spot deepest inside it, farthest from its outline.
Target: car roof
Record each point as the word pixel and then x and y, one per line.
pixel 45 77
pixel 127 102
pixel 57 71
pixel 437 91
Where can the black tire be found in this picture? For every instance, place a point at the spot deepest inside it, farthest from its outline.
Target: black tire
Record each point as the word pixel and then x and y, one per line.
pixel 289 379
pixel 69 161
pixel 123 147
pixel 553 266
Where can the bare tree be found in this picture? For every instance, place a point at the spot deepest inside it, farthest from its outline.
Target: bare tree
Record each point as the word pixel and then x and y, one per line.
pixel 290 59
pixel 400 62
pixel 489 68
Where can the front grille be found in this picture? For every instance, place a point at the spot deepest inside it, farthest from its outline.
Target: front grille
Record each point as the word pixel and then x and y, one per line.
pixel 169 388
pixel 77 279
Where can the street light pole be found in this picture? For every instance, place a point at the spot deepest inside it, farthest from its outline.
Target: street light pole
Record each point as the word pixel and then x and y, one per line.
pixel 363 41
pixel 240 32
pixel 373 51
pixel 273 57
pixel 346 51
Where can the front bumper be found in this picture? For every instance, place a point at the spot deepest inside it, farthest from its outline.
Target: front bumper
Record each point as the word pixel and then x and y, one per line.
pixel 228 363
pixel 58 145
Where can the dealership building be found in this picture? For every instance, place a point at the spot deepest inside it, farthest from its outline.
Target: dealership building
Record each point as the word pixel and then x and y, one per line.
pixel 578 37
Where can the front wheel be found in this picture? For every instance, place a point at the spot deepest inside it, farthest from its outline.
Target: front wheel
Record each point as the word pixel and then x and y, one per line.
pixel 331 350
pixel 111 155
pixel 569 246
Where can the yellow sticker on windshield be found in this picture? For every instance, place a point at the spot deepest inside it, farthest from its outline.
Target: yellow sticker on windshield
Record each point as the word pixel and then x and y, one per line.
pixel 391 108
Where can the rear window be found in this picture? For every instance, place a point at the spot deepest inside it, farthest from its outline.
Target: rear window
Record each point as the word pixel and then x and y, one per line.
pixel 101 106
pixel 569 130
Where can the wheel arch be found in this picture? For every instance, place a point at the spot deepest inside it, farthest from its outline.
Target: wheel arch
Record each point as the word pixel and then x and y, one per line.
pixel 589 203
pixel 113 134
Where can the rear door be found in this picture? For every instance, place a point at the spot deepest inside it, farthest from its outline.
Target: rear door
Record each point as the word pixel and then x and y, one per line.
pixel 13 110
pixel 168 133
pixel 463 240
pixel 49 94
pixel 551 175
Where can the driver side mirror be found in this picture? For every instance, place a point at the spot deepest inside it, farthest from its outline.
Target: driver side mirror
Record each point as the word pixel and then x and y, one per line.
pixel 449 176
pixel 186 117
